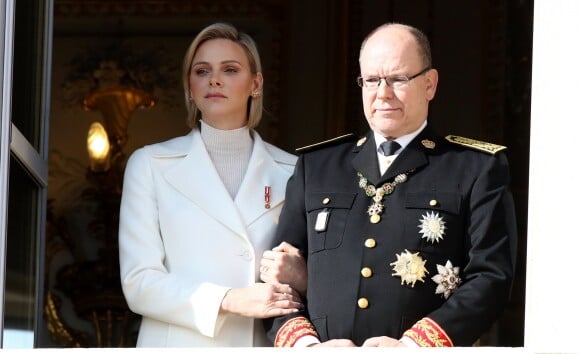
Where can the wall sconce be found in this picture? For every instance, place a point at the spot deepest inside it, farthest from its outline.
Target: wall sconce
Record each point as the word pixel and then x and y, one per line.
pixel 98 147
pixel 114 80
pixel 93 285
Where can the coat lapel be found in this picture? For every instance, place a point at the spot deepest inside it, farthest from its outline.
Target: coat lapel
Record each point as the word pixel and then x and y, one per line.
pixel 366 161
pixel 196 178
pixel 263 170
pixel 413 157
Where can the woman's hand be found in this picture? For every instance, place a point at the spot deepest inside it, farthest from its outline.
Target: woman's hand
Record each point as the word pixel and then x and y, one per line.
pixel 284 265
pixel 261 301
pixel 383 341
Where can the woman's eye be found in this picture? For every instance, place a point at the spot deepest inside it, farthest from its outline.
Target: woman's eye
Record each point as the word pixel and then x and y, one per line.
pixel 231 69
pixel 201 72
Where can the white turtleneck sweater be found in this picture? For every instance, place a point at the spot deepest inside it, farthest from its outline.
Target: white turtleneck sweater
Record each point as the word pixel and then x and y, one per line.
pixel 230 152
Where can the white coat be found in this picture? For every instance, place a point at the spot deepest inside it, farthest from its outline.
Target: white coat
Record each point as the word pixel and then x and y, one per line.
pixel 183 241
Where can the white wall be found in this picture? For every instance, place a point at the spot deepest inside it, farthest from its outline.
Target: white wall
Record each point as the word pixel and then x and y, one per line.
pixel 553 264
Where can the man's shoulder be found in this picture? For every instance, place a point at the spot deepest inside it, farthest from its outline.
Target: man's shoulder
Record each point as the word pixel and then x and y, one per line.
pixel 473 144
pixel 339 140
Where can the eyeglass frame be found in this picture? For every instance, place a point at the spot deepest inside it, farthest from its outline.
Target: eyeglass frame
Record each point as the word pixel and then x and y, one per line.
pixel 400 80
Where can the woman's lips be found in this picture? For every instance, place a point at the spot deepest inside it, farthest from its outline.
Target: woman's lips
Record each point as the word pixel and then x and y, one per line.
pixel 214 95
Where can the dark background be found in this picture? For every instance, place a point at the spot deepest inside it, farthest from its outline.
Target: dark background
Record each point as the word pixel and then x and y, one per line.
pixel 309 51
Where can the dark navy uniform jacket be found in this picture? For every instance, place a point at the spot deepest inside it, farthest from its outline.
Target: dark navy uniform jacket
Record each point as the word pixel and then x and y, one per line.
pixel 470 188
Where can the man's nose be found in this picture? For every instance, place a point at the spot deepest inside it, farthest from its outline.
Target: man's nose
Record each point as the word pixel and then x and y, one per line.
pixel 384 90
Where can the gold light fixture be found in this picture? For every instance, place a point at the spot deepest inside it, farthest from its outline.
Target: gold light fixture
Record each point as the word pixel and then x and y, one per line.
pixel 98 147
pixel 122 81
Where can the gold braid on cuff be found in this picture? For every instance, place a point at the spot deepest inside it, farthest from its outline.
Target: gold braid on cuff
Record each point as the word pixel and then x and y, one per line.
pixel 427 333
pixel 293 330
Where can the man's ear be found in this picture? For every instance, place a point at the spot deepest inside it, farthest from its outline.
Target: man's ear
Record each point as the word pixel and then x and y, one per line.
pixel 432 77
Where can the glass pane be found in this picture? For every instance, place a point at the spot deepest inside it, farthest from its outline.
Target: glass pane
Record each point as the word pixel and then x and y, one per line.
pixel 27 80
pixel 21 259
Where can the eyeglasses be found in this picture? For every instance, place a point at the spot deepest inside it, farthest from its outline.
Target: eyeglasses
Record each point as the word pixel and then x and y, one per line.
pixel 393 81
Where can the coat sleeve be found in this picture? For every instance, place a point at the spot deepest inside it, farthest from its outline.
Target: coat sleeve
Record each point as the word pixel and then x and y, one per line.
pixel 292 228
pixel 150 290
pixel 487 277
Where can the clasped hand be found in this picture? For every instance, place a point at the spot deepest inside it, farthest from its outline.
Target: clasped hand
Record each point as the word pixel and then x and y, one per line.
pixel 261 300
pixel 284 265
pixel 382 341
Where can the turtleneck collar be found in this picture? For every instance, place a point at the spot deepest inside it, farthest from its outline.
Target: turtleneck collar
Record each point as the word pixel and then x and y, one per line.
pixel 225 141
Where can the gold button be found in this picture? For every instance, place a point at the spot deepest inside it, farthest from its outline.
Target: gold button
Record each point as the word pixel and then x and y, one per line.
pixel 363 303
pixel 433 202
pixel 325 201
pixel 375 218
pixel 366 272
pixel 370 243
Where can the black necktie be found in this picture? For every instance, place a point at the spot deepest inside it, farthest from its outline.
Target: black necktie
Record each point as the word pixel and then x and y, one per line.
pixel 389 147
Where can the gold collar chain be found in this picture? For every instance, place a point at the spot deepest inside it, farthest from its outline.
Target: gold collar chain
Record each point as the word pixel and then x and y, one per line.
pixel 377 193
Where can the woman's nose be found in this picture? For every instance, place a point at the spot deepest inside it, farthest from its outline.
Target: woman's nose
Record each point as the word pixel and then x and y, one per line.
pixel 215 82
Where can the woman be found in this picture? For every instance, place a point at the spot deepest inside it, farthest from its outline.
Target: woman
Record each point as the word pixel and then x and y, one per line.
pixel 198 211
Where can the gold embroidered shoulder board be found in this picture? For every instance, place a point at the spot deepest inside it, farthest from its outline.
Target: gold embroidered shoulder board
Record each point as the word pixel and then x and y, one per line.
pixel 475 144
pixel 333 141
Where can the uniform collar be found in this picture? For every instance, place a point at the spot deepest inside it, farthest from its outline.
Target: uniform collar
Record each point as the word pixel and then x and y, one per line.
pixel 412 157
pixel 402 140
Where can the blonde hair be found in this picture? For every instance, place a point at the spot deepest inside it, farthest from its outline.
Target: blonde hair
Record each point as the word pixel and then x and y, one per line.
pixel 223 31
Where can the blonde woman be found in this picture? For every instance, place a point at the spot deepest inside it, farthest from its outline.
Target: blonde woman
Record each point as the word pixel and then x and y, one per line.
pixel 198 211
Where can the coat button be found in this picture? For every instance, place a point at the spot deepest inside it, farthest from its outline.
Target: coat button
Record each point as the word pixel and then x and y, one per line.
pixel 433 202
pixel 370 243
pixel 247 255
pixel 325 201
pixel 363 303
pixel 366 272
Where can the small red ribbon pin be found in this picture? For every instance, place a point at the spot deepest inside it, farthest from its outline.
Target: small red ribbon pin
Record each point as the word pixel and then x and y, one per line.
pixel 267 197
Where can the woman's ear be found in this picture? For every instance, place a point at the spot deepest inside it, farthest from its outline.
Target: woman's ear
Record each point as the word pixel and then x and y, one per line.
pixel 258 82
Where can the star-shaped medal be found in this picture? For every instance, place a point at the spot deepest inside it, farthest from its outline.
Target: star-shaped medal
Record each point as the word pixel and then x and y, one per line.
pixel 432 227
pixel 410 267
pixel 447 280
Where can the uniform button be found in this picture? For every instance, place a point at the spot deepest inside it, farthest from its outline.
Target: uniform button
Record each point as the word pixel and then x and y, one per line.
pixel 432 202
pixel 363 303
pixel 325 201
pixel 366 272
pixel 370 243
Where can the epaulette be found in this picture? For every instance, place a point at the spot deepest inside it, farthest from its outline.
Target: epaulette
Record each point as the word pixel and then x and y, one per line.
pixel 475 144
pixel 326 143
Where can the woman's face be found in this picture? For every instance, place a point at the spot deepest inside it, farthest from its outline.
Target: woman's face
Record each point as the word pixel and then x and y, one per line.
pixel 221 82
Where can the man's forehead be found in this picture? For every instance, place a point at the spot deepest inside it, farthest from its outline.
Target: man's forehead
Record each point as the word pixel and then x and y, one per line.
pixel 388 54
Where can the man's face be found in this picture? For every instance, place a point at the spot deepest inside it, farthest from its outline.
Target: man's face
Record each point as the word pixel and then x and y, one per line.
pixel 393 112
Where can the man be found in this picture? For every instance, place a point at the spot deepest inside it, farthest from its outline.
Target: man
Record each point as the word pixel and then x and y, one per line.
pixel 413 246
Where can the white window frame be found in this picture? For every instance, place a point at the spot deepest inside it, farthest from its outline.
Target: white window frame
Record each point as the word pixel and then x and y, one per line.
pixel 6 51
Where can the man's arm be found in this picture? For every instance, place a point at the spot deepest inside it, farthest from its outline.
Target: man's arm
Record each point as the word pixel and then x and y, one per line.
pixel 487 277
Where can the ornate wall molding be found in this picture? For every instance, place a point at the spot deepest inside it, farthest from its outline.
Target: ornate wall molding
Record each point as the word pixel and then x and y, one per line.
pixel 164 7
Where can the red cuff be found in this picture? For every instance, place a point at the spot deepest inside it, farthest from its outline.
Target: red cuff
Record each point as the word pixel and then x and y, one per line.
pixel 293 330
pixel 427 333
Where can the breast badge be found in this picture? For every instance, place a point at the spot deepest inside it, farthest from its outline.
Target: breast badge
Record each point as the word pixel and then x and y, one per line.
pixel 447 279
pixel 432 227
pixel 410 267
